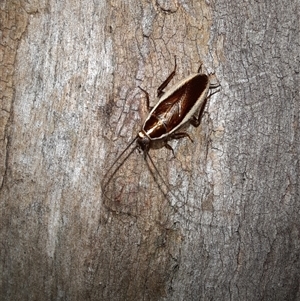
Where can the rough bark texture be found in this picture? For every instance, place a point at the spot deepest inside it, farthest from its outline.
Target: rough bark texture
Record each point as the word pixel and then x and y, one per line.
pixel 230 229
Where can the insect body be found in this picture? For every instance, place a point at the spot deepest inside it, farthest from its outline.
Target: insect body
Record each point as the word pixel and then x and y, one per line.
pixel 183 103
pixel 175 108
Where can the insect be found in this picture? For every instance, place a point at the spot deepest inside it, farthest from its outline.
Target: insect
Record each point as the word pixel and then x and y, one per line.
pixel 181 104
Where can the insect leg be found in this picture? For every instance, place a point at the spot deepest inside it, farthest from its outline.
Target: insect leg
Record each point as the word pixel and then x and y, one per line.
pixel 160 89
pixel 147 99
pixel 195 121
pixel 168 146
pixel 214 86
pixel 200 68
pixel 180 135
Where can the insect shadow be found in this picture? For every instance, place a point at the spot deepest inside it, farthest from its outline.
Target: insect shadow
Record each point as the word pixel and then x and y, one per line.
pixel 182 104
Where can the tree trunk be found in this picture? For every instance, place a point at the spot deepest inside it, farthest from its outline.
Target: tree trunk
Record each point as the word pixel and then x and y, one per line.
pixel 220 221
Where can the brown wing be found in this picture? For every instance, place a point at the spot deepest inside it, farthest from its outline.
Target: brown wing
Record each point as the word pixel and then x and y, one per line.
pixel 171 111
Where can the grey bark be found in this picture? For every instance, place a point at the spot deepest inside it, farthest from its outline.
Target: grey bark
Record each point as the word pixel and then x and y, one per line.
pixel 228 226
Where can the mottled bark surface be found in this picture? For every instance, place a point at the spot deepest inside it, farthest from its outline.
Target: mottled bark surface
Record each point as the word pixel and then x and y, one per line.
pixel 229 225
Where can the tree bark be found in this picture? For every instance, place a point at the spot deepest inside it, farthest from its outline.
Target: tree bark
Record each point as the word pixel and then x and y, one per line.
pixel 220 221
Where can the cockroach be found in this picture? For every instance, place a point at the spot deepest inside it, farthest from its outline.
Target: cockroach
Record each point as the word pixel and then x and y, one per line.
pixel 181 104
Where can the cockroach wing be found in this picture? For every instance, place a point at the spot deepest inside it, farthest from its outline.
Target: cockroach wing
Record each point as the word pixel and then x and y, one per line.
pixel 179 106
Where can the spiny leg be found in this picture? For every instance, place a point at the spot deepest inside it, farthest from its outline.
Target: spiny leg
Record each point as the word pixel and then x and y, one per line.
pixel 200 68
pixel 195 121
pixel 214 86
pixel 147 100
pixel 211 86
pixel 180 135
pixel 169 147
pixel 160 89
